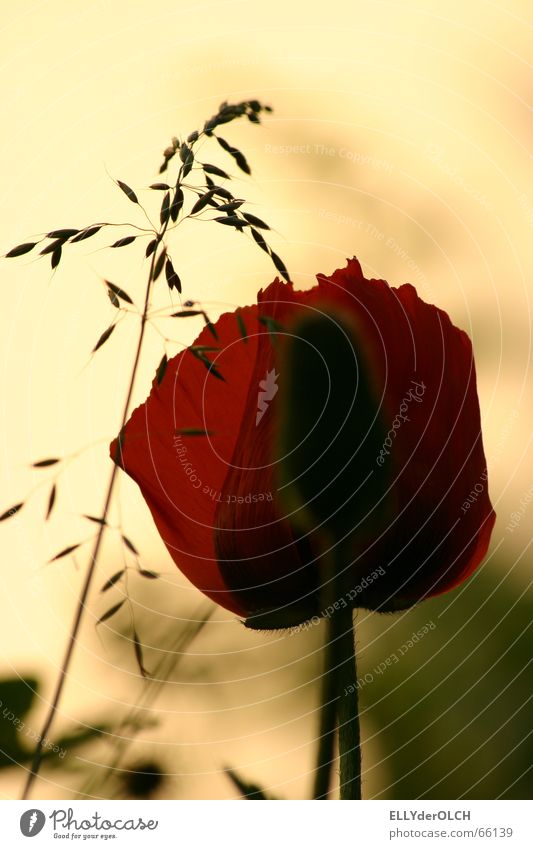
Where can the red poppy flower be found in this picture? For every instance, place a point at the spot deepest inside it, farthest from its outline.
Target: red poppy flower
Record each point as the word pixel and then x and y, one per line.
pixel 205 452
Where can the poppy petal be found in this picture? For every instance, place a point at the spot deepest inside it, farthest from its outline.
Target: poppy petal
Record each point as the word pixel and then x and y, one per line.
pixel 179 472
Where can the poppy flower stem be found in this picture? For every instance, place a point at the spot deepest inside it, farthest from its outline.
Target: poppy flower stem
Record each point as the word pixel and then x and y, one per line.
pixel 339 708
pixel 347 704
pixel 328 726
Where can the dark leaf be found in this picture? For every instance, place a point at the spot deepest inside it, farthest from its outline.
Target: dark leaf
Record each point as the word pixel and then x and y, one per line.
pixel 187 158
pixel 257 222
pixel 112 580
pixel 113 298
pixel 193 137
pixel 224 144
pixel 207 363
pixel 169 153
pixel 253 117
pixel 186 167
pixel 11 512
pixel 226 107
pixel 49 249
pixel 165 209
pixel 204 348
pixel 68 550
pixel 128 192
pixel 211 327
pixel 21 249
pixel 213 370
pixel 260 240
pixel 86 234
pixel 231 206
pixel 202 201
pixel 18 694
pixel 160 187
pixel 127 240
pixel 271 323
pixel 120 293
pixel 225 118
pixel 158 267
pixel 161 369
pixel 147 573
pixel 241 161
pixel 118 453
pixel 280 266
pixel 51 501
pixel 128 543
pixel 230 220
pixel 247 790
pixel 186 313
pixel 139 655
pixel 241 326
pixel 172 278
pixel 42 464
pixel 56 257
pixel 111 612
pixel 66 233
pixel 150 248
pixel 185 152
pixel 177 204
pixel 96 519
pixel 213 169
pixel 222 192
pixel 272 326
pixel 103 338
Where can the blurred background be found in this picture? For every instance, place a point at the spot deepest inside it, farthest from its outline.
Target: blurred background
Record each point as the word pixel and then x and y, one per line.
pixel 400 133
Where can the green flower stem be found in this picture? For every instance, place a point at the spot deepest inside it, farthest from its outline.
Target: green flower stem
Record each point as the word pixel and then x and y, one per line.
pixel 347 705
pixel 328 725
pixel 339 707
pixel 339 700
